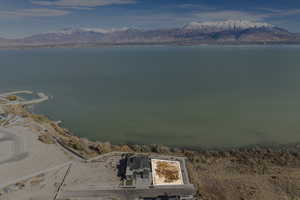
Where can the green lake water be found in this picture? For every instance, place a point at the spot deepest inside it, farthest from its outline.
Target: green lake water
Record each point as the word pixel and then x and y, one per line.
pixel 203 96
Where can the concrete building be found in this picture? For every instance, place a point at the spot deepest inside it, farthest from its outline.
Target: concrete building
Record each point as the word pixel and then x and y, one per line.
pixel 157 177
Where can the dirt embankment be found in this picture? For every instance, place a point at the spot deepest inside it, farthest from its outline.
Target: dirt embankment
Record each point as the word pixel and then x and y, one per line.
pixel 258 173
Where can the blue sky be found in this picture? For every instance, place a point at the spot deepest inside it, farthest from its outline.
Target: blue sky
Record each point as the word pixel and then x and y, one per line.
pixel 20 18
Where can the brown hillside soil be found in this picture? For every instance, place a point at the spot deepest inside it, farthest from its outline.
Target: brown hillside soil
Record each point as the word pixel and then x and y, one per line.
pixel 246 175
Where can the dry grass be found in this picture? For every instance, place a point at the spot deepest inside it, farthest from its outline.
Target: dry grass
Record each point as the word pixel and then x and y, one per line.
pixel 225 179
pixel 12 98
pixel 167 171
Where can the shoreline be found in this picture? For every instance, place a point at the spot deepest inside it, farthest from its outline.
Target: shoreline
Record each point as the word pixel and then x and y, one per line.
pixel 92 45
pixel 58 125
pixel 217 173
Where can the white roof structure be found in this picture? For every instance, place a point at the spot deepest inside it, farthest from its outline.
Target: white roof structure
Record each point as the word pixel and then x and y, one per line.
pixel 166 172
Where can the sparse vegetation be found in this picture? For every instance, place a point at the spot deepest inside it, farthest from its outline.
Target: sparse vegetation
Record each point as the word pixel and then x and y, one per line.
pixel 12 98
pixel 46 139
pixel 39 118
pixel 167 171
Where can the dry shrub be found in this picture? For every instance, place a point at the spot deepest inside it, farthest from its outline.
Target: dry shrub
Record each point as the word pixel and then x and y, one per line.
pixel 169 172
pixel 11 98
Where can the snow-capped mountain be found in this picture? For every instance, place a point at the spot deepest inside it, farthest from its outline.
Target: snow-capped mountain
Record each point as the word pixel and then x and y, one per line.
pixel 226 25
pixel 105 31
pixel 69 31
pixel 224 32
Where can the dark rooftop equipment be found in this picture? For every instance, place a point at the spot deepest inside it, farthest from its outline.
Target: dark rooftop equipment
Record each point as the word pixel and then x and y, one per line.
pixel 138 162
pixel 138 171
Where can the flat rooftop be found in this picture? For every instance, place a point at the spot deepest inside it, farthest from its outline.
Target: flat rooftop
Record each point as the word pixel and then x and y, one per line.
pixel 166 172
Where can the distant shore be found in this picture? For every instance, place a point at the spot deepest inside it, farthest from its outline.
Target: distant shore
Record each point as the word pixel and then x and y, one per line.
pixel 103 45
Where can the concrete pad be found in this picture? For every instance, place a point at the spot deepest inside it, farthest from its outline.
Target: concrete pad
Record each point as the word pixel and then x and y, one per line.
pixel 29 154
pixel 42 187
pixel 96 174
pixel 6 151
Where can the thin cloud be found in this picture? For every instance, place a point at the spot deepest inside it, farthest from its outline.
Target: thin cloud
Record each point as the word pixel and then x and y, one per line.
pixel 34 12
pixel 229 15
pixel 280 11
pixel 195 6
pixel 81 4
pixel 243 15
pixel 286 12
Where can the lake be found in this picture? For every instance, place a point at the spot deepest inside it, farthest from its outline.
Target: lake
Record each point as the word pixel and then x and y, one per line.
pixel 206 96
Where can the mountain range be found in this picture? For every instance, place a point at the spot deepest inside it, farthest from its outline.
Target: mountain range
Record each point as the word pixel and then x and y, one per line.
pixel 223 32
